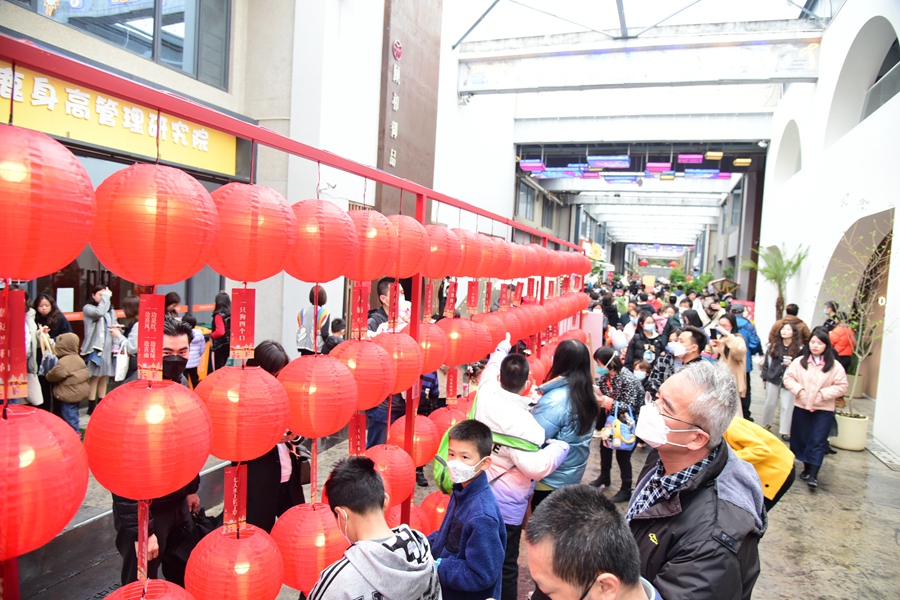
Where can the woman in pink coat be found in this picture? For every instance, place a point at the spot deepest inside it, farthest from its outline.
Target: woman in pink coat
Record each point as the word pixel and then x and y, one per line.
pixel 816 380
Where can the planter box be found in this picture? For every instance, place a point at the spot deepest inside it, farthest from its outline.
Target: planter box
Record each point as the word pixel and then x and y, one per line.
pixel 860 385
pixel 851 433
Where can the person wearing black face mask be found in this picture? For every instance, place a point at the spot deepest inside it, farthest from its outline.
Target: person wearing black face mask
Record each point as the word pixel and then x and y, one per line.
pixel 169 513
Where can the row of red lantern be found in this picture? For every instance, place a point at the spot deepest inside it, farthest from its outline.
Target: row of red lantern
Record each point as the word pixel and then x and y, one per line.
pixel 153 224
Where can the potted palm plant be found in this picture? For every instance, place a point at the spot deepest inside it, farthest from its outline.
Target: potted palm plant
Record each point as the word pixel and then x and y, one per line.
pixel 777 267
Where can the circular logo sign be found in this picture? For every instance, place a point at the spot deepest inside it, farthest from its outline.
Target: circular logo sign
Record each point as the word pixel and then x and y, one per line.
pixel 397 49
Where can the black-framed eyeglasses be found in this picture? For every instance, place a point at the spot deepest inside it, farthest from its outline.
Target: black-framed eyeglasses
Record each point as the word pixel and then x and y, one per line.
pixel 655 404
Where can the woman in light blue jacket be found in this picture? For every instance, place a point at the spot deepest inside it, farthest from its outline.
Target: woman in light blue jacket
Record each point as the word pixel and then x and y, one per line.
pixel 567 411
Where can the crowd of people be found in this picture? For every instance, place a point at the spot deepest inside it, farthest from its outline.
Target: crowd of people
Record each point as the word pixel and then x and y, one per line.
pixel 673 372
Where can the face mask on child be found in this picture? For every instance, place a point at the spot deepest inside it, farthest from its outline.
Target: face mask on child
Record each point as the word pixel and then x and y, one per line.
pixel 640 375
pixel 460 472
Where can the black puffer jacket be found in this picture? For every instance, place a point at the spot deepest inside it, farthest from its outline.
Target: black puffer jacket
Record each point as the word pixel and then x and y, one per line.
pixel 702 543
pixel 639 344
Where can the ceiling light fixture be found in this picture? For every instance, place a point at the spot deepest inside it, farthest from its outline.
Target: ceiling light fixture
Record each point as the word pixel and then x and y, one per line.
pixel 742 162
pixel 690 159
pixel 714 155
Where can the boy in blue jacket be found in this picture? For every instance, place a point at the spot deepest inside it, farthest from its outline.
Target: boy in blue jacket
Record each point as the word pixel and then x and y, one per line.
pixel 471 543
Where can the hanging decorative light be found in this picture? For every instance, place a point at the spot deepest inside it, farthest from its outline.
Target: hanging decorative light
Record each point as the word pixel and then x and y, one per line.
pixel 425 439
pixel 536 369
pixel 433 341
pixel 397 469
pixel 146 440
pixel 435 506
pixel 371 367
pixel 517 265
pixel 460 340
pixel 257 232
pixel 244 565
pixel 322 394
pixel 43 478
pixel 155 224
pixel 42 185
pixel 444 252
pixel 249 410
pixel 446 417
pixel 406 359
pixel 644 262
pixel 471 253
pixel 377 249
pixel 575 334
pixel 502 259
pixel 309 540
pixel 482 346
pixel 418 519
pixel 157 589
pixel 494 324
pixel 413 247
pixel 326 239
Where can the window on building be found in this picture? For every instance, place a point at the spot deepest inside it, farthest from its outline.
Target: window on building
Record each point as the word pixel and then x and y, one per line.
pixel 736 207
pixel 189 35
pixel 547 216
pixel 525 202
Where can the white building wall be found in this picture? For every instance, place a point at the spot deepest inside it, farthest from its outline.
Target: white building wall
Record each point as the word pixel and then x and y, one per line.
pixel 838 184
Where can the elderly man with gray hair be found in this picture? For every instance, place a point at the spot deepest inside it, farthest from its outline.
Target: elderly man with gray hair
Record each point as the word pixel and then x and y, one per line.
pixel 697 512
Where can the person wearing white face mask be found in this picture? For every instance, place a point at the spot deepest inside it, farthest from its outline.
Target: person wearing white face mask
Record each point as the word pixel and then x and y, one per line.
pixel 647 344
pixel 380 562
pixel 471 543
pixel 680 353
pixel 697 511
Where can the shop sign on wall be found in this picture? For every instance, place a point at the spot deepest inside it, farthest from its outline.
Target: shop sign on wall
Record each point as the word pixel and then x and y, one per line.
pixel 78 113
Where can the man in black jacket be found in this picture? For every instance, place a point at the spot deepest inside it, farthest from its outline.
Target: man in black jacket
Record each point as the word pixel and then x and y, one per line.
pixel 169 513
pixel 697 512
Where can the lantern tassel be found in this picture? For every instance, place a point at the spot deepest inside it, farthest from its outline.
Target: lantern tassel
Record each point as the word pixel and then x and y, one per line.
pixel 314 469
pixel 143 540
pixel 5 321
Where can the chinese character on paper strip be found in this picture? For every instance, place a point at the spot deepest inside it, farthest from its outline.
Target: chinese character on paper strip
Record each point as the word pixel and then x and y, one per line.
pixel 179 133
pixel 7 88
pixel 44 94
pixel 395 127
pixel 395 101
pixel 78 104
pixel 134 119
pixel 163 126
pixel 200 139
pixel 107 111
pixel 396 76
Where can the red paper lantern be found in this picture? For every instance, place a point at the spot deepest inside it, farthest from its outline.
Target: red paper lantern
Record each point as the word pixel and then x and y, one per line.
pixel 556 264
pixel 513 325
pixel 227 565
pixel 532 260
pixel 435 506
pixel 541 261
pixel 146 440
pixel 464 405
pixel 673 263
pixel 257 232
pixel 472 253
pixel 502 254
pixel 249 411
pixel 444 252
pixel 445 418
pixel 575 334
pixel 397 469
pixel 528 321
pixel 371 367
pixel 418 519
pixel 40 177
pixel 482 346
pixel 487 264
pixel 643 262
pixel 43 478
pixel 157 589
pixel 536 369
pixel 460 340
pixel 541 316
pixel 413 247
pixel 377 246
pixel 425 438
pixel 517 265
pixel 406 357
pixel 322 394
pixel 155 224
pixel 310 541
pixel 433 341
pixel 495 326
pixel 326 239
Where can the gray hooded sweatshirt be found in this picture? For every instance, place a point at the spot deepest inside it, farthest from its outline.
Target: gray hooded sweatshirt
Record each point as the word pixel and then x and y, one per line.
pixel 397 568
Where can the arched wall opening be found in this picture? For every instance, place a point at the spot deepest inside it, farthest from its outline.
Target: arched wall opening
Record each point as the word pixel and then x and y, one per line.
pixel 859 72
pixel 790 159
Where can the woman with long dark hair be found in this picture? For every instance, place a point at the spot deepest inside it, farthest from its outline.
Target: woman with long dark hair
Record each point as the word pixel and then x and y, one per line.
pixel 221 333
pixel 51 322
pixel 817 380
pixel 778 358
pixel 691 317
pixel 567 411
pixel 274 480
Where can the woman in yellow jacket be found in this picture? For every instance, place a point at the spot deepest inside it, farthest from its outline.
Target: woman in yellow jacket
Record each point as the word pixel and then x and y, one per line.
pixel 773 462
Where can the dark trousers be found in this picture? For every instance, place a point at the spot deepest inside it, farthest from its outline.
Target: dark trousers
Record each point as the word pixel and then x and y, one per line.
pixel 49 404
pixel 845 362
pixel 782 491
pixel 623 458
pixel 166 520
pixel 376 425
pixel 219 357
pixel 745 401
pixel 510 588
pixel 809 435
pixel 193 376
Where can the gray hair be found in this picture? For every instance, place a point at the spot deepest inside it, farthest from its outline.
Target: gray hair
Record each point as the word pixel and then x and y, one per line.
pixel 717 399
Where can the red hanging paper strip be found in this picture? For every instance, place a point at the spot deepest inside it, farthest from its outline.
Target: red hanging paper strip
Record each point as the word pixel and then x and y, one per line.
pixel 394 305
pixel 429 300
pixel 565 284
pixel 13 361
pixel 243 323
pixel 361 291
pixel 551 285
pixel 234 514
pixel 488 292
pixel 504 298
pixel 143 538
pixel 530 293
pixel 150 336
pixel 450 305
pixel 518 297
pixel 472 297
pixel 357 434
pixel 452 381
